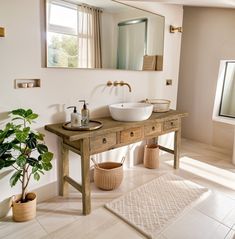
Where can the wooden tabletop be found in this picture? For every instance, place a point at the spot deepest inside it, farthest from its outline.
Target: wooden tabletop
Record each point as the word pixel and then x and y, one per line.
pixel 110 125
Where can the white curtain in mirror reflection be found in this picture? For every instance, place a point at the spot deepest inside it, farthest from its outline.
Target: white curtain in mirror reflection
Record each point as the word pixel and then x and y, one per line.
pixel 227 105
pixel 132 40
pixel 89 41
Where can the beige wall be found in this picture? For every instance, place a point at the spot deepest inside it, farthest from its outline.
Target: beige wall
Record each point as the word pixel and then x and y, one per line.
pixel 208 37
pixel 20 57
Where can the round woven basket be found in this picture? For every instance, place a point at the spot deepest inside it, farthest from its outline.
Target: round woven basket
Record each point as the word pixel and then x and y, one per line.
pixel 108 175
pixel 24 211
pixel 159 105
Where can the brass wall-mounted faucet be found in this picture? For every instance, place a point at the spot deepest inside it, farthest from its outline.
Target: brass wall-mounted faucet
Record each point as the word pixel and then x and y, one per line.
pixel 117 83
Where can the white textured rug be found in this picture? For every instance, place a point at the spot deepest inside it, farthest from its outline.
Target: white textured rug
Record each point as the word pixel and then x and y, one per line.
pixel 154 205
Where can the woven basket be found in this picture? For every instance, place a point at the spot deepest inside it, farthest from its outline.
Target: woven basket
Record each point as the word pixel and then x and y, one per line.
pixel 159 105
pixel 108 175
pixel 151 156
pixel 24 211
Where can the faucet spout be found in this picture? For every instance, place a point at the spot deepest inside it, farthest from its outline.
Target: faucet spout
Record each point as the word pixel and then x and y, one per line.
pixel 122 83
pixel 117 83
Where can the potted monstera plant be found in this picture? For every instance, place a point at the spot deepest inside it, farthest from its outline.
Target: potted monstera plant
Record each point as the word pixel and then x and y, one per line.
pixel 23 149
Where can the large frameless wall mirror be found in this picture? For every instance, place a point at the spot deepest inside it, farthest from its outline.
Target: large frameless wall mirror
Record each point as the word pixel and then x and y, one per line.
pixel 227 104
pixel 101 34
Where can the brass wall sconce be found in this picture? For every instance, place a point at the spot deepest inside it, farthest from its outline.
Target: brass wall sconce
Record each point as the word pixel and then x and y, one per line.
pixel 175 29
pixel 2 32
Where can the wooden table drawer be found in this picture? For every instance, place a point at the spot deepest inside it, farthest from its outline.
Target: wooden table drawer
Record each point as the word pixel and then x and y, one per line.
pixel 131 135
pixel 152 129
pixel 103 142
pixel 170 124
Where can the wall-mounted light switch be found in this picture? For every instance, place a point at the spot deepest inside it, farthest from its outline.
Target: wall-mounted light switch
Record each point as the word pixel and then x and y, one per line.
pixel 168 82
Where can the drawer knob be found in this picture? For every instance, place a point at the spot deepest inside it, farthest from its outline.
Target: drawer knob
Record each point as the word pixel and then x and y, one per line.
pixel 153 128
pixel 132 134
pixel 172 123
pixel 104 140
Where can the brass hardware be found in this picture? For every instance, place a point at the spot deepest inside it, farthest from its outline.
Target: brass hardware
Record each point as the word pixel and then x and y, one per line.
pixel 117 83
pixel 2 32
pixel 122 83
pixel 104 140
pixel 132 134
pixel 175 29
pixel 109 83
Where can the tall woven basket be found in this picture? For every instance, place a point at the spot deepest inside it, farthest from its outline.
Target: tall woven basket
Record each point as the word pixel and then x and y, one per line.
pixel 108 175
pixel 151 156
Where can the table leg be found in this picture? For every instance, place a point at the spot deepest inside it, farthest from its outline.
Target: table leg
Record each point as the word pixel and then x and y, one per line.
pixel 85 169
pixel 177 143
pixel 64 171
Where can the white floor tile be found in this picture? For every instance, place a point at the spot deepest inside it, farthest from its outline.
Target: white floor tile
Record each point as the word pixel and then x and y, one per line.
pixel 230 235
pixel 217 206
pixel 229 220
pixel 26 230
pixel 193 225
pixel 87 227
pixel 54 221
pixel 220 232
pixel 120 230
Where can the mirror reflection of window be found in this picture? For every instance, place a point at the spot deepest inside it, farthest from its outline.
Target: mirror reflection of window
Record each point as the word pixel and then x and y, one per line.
pixel 227 104
pixel 73 36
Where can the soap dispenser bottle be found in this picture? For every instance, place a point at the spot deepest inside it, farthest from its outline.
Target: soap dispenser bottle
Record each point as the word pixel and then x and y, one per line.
pixel 84 113
pixel 75 117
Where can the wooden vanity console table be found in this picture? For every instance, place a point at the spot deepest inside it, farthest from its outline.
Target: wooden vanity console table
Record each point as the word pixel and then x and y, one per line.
pixel 112 135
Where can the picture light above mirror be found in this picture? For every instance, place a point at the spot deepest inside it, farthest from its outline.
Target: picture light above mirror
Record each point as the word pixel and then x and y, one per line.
pixel 103 34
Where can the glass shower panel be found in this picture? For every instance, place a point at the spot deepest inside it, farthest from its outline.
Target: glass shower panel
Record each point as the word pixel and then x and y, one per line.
pixel 227 106
pixel 131 44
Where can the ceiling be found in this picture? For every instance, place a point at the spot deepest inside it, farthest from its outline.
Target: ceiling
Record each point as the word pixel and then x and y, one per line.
pixel 108 4
pixel 198 3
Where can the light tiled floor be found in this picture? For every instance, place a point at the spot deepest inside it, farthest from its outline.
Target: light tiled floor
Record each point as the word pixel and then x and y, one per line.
pixel 214 217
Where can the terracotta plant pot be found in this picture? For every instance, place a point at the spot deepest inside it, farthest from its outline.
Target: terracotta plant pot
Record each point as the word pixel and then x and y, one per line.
pixel 24 211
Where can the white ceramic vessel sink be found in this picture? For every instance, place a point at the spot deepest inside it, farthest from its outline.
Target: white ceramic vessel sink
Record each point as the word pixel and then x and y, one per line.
pixel 130 111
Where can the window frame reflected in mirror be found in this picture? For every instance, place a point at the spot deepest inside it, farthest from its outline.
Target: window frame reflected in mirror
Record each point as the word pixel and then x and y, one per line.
pixel 225 92
pixel 112 66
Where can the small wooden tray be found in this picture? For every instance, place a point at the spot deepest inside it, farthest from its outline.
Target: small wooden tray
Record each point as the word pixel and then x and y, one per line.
pixel 93 125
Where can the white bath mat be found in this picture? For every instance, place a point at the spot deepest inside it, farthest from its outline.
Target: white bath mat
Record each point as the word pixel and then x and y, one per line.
pixel 153 206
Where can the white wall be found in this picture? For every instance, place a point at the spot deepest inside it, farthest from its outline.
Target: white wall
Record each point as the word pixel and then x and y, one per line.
pixel 20 57
pixel 208 38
